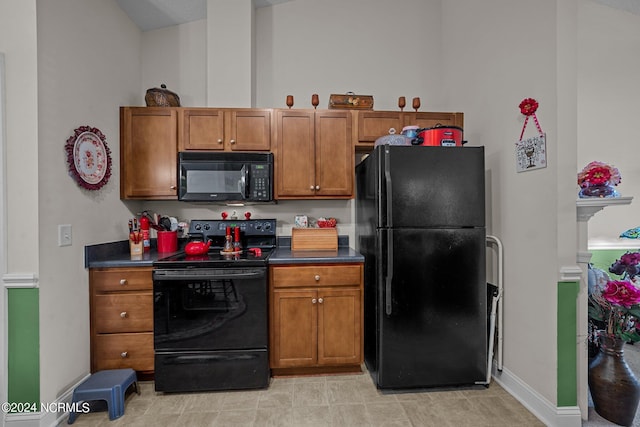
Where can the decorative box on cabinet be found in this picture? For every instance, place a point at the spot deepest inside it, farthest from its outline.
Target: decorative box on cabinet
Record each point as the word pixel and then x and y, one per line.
pixel 316 323
pixel 148 153
pixel 121 318
pixel 237 129
pixel 314 154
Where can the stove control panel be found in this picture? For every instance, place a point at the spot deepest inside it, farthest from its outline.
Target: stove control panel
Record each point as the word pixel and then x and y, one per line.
pixel 250 227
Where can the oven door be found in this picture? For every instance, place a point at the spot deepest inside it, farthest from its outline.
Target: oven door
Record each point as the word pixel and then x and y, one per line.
pixel 210 329
pixel 210 309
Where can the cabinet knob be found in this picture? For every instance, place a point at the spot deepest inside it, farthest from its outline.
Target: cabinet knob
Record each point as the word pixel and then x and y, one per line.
pixel 124 354
pixel 317 277
pixel 123 314
pixel 320 300
pixel 317 187
pixel 219 141
pixel 233 141
pixel 311 188
pixel 173 187
pixel 313 301
pixel 123 282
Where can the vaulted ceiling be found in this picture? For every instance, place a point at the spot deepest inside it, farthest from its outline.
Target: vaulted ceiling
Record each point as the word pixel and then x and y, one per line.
pixel 154 14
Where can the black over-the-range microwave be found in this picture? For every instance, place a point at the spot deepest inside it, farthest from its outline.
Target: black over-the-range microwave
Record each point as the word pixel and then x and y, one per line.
pixel 225 177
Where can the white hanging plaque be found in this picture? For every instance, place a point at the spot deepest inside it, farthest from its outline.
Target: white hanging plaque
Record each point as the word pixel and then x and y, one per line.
pixel 531 153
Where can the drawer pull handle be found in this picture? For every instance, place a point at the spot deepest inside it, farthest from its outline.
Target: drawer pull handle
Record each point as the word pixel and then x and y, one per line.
pixel 317 277
pixel 313 301
pixel 123 314
pixel 123 282
pixel 124 354
pixel 320 300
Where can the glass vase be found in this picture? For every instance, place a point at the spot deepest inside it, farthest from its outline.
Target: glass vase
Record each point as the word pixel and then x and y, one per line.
pixel 601 190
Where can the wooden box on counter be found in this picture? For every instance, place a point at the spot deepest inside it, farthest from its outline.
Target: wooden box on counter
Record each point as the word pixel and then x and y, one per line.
pixel 313 239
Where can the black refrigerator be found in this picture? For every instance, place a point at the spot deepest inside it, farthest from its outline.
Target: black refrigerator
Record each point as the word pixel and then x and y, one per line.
pixel 420 224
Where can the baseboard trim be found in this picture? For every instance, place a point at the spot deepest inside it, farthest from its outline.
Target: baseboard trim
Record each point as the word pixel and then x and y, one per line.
pixel 46 419
pixel 545 411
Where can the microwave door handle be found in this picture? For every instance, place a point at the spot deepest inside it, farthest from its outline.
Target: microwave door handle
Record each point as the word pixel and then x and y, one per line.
pixel 244 178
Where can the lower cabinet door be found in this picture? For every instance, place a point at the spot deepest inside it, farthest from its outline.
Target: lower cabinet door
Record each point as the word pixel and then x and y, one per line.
pixel 339 327
pixel 294 329
pixel 118 351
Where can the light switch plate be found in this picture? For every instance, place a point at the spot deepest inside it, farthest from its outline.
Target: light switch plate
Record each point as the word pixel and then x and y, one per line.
pixel 64 235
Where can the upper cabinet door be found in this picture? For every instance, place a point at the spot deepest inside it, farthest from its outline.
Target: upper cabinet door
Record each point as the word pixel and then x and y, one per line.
pixel 201 129
pixel 148 153
pixel 334 154
pixel 374 124
pixel 429 120
pixel 249 130
pixel 295 155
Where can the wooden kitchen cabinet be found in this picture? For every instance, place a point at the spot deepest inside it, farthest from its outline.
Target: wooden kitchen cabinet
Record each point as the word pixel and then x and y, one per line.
pixel 314 156
pixel 316 323
pixel 236 129
pixel 371 125
pixel 148 153
pixel 121 319
pixel 432 119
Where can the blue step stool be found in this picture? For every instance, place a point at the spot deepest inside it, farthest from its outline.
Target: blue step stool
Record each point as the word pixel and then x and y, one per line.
pixel 109 385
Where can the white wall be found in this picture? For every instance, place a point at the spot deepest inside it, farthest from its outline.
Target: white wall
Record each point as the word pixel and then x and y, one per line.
pixel 88 65
pixel 609 110
pixel 20 142
pixel 177 57
pixel 493 63
pixel 370 47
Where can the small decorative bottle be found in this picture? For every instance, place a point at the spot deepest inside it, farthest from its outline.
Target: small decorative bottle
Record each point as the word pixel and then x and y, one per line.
pixel 228 245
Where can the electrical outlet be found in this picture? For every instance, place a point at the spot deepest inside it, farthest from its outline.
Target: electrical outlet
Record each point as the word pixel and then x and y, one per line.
pixel 64 234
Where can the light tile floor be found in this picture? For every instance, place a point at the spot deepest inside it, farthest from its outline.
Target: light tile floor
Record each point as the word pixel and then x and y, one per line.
pixel 342 400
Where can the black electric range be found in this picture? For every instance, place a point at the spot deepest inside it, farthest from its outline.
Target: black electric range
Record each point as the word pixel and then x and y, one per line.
pixel 210 311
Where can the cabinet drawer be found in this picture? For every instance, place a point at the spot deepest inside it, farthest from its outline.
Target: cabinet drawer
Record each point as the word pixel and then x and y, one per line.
pixel 118 351
pixel 123 313
pixel 316 275
pixel 120 279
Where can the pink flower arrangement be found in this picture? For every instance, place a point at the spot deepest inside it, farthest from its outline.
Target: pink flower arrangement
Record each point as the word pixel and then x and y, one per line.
pixel 617 303
pixel 598 173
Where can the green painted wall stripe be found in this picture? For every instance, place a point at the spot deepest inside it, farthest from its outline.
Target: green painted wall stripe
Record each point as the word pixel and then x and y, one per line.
pixel 23 354
pixel 567 355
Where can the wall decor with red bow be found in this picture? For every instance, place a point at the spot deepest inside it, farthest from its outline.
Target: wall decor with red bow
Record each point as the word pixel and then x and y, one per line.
pixel 531 153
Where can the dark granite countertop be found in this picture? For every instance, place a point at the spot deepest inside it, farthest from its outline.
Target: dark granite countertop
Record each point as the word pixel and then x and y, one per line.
pixel 344 254
pixel 116 254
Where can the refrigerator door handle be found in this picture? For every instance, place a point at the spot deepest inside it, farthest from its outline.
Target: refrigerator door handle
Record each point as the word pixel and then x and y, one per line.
pixel 389 278
pixel 387 180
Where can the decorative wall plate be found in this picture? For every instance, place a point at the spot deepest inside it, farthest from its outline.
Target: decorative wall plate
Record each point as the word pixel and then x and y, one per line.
pixel 89 158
